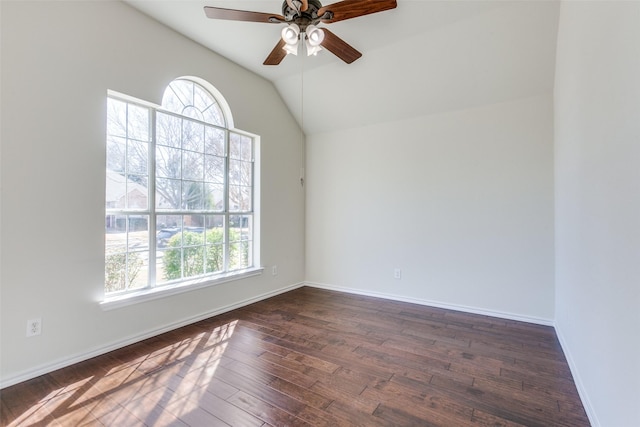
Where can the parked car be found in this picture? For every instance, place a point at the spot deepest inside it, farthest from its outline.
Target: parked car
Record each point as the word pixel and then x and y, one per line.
pixel 194 229
pixel 164 234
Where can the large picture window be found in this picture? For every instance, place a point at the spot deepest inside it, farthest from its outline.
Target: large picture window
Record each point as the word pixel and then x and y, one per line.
pixel 180 191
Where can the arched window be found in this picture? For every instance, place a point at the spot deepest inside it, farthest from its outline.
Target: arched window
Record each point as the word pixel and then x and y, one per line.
pixel 180 191
pixel 189 99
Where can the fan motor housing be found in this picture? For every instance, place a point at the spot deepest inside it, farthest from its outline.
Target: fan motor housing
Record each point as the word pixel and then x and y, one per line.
pixel 293 15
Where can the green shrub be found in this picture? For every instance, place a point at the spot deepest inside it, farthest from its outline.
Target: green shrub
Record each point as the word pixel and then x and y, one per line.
pixel 187 257
pixel 115 272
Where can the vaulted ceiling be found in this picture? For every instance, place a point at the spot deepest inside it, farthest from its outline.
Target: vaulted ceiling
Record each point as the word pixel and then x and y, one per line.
pixel 424 57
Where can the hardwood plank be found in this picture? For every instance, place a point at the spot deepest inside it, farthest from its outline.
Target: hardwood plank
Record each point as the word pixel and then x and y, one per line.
pixel 192 415
pixel 151 409
pixel 292 362
pixel 321 418
pixel 400 417
pixel 427 403
pixel 483 419
pixel 29 393
pixel 356 415
pixel 319 358
pixel 226 411
pixel 341 392
pixel 303 394
pixel 258 365
pixel 6 416
pixel 258 387
pixel 119 416
pixel 265 411
pixel 389 357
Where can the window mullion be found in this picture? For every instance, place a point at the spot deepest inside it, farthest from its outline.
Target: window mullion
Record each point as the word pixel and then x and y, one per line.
pixel 227 203
pixel 152 201
pixel 127 124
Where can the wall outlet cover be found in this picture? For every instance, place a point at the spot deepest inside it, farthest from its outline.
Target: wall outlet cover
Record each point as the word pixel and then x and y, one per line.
pixel 34 327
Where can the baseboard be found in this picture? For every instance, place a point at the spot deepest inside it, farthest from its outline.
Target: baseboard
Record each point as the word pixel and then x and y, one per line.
pixel 61 363
pixel 584 397
pixel 582 391
pixel 456 307
pixel 67 361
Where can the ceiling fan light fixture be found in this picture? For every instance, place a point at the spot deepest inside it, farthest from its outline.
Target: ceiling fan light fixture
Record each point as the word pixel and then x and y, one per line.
pixel 291 49
pixel 315 36
pixel 313 50
pixel 291 34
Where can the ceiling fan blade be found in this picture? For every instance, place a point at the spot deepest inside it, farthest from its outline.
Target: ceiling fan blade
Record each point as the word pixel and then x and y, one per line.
pixel 277 54
pixel 339 47
pixel 242 15
pixel 348 9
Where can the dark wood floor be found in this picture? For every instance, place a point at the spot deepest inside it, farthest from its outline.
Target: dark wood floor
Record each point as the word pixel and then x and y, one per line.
pixel 318 358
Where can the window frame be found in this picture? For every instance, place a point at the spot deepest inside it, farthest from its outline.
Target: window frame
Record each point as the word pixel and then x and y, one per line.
pixel 153 289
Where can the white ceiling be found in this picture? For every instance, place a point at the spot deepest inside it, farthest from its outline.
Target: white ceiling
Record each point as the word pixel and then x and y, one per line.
pixel 424 57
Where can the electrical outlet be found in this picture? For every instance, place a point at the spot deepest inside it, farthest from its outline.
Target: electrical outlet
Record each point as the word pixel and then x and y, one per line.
pixel 274 270
pixel 397 273
pixel 34 327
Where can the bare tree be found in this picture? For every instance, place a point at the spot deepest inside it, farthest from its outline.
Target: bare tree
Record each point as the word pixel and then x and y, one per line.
pixel 189 159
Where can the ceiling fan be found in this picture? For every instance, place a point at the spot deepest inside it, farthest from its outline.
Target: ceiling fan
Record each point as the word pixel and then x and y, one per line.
pixel 302 18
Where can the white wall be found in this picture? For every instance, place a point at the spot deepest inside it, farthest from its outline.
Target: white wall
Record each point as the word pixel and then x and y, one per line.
pixel 597 166
pixel 462 202
pixel 58 61
pixel 447 56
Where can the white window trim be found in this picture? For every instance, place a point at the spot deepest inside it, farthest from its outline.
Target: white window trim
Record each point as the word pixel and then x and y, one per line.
pixel 118 300
pixel 150 294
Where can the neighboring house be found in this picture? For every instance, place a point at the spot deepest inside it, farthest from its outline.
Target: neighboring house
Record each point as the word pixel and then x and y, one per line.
pixel 118 190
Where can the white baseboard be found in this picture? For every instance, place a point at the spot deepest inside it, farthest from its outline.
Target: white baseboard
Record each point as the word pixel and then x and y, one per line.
pixel 456 307
pixel 584 396
pixel 61 363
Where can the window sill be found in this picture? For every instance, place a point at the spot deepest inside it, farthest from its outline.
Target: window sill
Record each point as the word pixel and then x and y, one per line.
pixel 111 303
